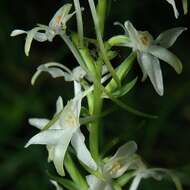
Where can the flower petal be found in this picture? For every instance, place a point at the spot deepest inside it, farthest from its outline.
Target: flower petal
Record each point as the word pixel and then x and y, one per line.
pixel 59 105
pixel 95 183
pixel 144 77
pixel 17 32
pixel 152 67
pixel 83 153
pixel 136 182
pixel 168 37
pixel 38 123
pixel 172 2
pixel 167 56
pixel 120 162
pixel 40 37
pixel 30 36
pixel 133 33
pixel 60 150
pixel 47 137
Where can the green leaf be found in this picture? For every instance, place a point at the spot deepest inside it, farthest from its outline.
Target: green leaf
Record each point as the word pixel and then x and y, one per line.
pixel 125 89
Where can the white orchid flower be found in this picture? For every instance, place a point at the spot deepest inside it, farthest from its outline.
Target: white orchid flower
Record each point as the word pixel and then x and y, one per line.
pixel 149 51
pixel 63 129
pixel 114 167
pixel 43 33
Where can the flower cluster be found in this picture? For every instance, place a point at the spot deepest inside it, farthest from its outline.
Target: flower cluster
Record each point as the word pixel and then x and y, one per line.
pixel 88 78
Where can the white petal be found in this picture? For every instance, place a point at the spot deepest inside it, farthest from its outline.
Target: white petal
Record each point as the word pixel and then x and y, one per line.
pixel 17 32
pixel 125 150
pixel 152 67
pixel 60 150
pixel 144 77
pixel 83 153
pixel 133 33
pixel 172 2
pixel 95 183
pixel 59 105
pixel 40 37
pixel 46 137
pixel 168 37
pixel 135 182
pixel 38 123
pixel 120 162
pixel 167 56
pixel 58 17
pixel 30 36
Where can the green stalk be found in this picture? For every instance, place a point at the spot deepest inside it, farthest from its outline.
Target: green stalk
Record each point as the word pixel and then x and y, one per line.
pixel 101 11
pixel 95 104
pixel 100 41
pixel 79 22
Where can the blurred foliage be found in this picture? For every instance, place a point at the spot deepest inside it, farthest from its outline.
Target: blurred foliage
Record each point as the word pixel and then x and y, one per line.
pixel 163 142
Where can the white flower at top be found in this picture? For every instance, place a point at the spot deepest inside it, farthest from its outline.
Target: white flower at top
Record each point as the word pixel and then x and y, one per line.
pixel 149 51
pixel 42 33
pixel 114 167
pixel 60 131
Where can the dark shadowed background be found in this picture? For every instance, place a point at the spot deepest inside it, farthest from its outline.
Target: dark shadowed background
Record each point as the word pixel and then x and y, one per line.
pixel 163 142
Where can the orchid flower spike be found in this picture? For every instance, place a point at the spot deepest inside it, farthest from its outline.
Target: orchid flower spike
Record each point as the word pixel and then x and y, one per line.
pixel 114 167
pixel 149 51
pixel 42 33
pixel 57 133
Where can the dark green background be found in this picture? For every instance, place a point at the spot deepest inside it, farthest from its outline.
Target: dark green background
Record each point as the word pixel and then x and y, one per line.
pixel 163 142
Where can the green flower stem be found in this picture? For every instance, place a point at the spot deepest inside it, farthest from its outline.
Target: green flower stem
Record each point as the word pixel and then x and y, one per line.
pixel 122 71
pixel 74 50
pixel 101 11
pixel 79 22
pixel 118 40
pixel 74 173
pixel 101 43
pixel 95 104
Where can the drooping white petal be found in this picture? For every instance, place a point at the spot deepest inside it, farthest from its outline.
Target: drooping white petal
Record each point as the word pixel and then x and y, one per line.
pixel 38 123
pixel 59 105
pixel 78 73
pixel 168 37
pixel 60 150
pixel 144 77
pixel 135 182
pixel 152 67
pixel 167 56
pixel 17 32
pixel 83 153
pixel 30 36
pixel 172 3
pixel 55 70
pixel 47 137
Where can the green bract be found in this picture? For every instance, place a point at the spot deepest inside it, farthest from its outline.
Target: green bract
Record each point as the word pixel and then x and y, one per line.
pixel 149 51
pixel 56 25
